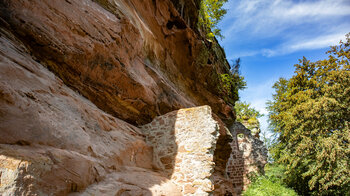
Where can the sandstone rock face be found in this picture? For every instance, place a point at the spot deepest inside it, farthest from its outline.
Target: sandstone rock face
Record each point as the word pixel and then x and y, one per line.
pixel 133 181
pixel 53 141
pixel 248 155
pixel 133 59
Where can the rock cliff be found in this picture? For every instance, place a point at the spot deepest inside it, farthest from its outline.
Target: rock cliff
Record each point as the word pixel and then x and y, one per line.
pixel 91 98
pixel 133 59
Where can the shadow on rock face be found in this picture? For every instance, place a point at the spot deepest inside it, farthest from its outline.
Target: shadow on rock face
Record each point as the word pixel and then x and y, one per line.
pixel 53 141
pixel 183 145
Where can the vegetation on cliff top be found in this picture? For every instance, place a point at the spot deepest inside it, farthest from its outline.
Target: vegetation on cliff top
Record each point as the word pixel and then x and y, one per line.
pixel 230 83
pixel 310 112
pixel 211 12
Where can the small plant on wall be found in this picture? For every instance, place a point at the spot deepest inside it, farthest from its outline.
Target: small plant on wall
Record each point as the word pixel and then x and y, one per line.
pixel 231 82
pixel 211 12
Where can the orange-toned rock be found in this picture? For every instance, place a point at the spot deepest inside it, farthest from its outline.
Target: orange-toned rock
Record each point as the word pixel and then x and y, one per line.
pixel 133 59
pixel 53 141
pixel 189 189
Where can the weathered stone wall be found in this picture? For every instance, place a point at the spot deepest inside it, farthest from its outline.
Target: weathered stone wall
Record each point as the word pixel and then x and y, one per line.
pixel 222 183
pixel 248 155
pixel 184 142
pixel 196 150
pixel 235 165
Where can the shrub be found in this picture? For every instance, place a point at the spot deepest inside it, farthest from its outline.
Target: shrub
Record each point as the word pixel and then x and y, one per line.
pixel 230 83
pixel 245 112
pixel 270 184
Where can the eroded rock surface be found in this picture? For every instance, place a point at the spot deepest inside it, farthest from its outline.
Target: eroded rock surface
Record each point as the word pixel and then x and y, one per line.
pixel 133 59
pixel 54 141
pixel 133 181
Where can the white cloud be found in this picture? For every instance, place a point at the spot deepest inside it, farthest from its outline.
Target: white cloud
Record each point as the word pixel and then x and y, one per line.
pixel 322 41
pixel 275 27
pixel 273 16
pixel 293 45
pixel 243 54
pixel 317 42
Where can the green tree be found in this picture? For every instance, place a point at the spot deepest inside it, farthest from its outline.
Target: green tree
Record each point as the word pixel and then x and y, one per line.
pixel 211 12
pixel 244 111
pixel 248 116
pixel 311 114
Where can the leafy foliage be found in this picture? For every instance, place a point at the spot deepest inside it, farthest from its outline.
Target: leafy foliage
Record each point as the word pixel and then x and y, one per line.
pixel 230 83
pixel 245 112
pixel 270 184
pixel 211 12
pixel 248 116
pixel 311 114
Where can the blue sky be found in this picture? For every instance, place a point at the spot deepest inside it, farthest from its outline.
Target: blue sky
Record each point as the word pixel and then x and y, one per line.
pixel 271 35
